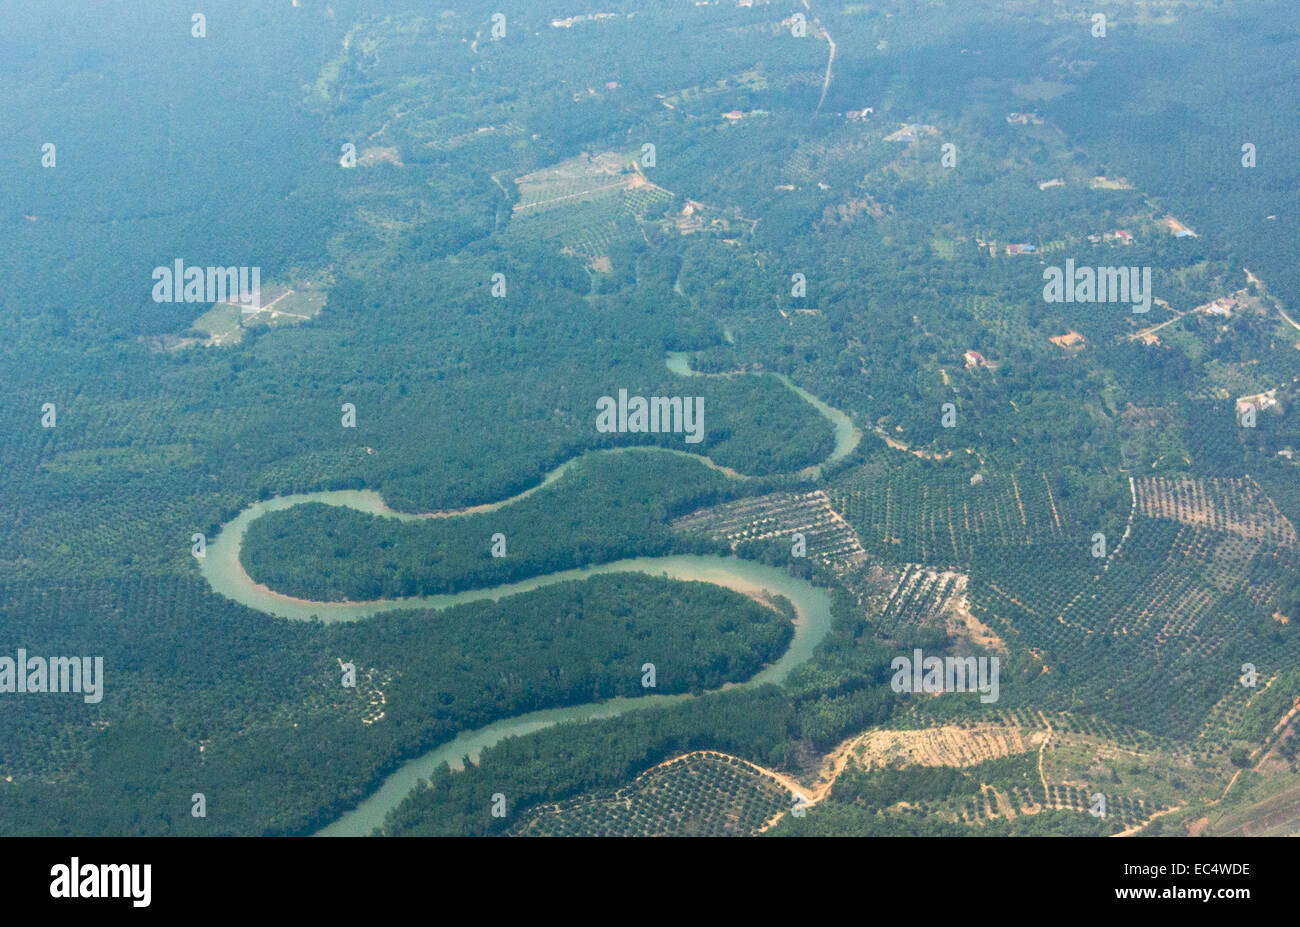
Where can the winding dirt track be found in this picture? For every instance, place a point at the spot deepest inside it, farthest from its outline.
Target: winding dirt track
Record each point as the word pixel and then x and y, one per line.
pixel 830 62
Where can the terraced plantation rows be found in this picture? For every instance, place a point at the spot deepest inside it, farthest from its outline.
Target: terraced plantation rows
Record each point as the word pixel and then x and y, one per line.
pixel 945 518
pixel 1157 637
pixel 1238 506
pixel 921 597
pixel 587 204
pixel 697 795
pixel 827 536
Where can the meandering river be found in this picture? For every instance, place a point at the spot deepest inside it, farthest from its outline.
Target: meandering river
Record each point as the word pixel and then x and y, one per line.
pixel 222 568
pixel 847 435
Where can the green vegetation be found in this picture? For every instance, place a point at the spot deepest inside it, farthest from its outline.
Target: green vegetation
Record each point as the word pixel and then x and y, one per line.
pixel 600 509
pixel 420 676
pixel 525 157
pixel 700 795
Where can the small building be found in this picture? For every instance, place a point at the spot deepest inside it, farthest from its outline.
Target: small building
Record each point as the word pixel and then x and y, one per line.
pixel 1260 402
pixel 910 132
pixel 974 359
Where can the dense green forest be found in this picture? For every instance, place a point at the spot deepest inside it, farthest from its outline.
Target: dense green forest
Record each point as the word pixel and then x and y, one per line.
pixel 264 703
pixel 532 221
pixel 603 509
